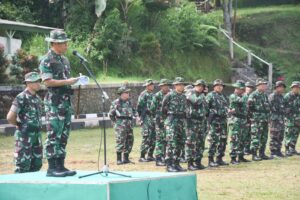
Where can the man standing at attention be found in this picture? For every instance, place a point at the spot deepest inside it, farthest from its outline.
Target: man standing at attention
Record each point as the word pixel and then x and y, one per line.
pixel 55 73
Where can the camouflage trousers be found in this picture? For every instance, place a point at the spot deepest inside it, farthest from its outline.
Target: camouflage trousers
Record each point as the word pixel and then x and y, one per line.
pixel 291 136
pixel 195 136
pixel 148 135
pixel 124 135
pixel 247 135
pixel 237 132
pixel 217 138
pixel 28 151
pixel 276 135
pixel 174 138
pixel 160 142
pixel 58 118
pixel 259 135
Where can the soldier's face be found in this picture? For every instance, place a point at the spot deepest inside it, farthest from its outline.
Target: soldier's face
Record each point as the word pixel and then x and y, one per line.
pixel 35 86
pixel 60 48
pixel 249 90
pixel 150 87
pixel 164 88
pixel 199 88
pixel 262 87
pixel 218 88
pixel 239 91
pixel 179 88
pixel 296 90
pixel 125 96
pixel 280 89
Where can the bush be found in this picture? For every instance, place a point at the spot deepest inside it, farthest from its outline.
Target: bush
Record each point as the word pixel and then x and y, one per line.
pixel 4 63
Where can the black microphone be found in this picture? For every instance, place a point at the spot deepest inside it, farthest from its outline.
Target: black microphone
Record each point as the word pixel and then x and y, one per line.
pixel 75 53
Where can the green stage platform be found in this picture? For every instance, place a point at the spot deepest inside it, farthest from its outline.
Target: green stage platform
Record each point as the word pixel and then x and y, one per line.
pixel 142 186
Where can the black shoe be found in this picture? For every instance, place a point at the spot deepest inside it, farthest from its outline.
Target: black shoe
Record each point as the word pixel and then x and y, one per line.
pixel 234 161
pixel 256 158
pixel 242 159
pixel 119 158
pixel 150 159
pixel 60 165
pixel 294 152
pixel 142 158
pixel 171 168
pixel 159 162
pixel 199 165
pixel 288 153
pixel 264 157
pixel 211 162
pixel 126 159
pixel 52 169
pixel 274 156
pixel 191 166
pixel 279 154
pixel 182 160
pixel 247 152
pixel 221 162
pixel 179 168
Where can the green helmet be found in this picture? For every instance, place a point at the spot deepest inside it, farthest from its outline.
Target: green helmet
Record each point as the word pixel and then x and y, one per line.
pixel 280 83
pixel 164 82
pixel 58 36
pixel 239 84
pixel 295 84
pixel 218 82
pixel 122 89
pixel 32 77
pixel 179 80
pixel 260 81
pixel 200 82
pixel 148 82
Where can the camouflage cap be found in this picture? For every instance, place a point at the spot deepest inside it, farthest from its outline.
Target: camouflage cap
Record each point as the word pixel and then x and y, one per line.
pixel 58 36
pixel 179 80
pixel 239 84
pixel 218 82
pixel 279 83
pixel 200 82
pixel 260 81
pixel 148 82
pixel 123 89
pixel 295 84
pixel 164 82
pixel 188 87
pixel 32 77
pixel 249 84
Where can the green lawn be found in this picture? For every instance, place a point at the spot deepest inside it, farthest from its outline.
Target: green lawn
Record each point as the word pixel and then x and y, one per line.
pixel 266 180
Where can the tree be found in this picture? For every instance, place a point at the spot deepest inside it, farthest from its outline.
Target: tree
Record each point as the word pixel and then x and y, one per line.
pixel 4 63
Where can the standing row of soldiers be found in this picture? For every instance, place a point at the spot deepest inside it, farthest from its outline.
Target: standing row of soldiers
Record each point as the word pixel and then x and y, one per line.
pixel 176 122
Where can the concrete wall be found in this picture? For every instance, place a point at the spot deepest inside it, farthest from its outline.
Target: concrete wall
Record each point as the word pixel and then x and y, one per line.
pixel 90 100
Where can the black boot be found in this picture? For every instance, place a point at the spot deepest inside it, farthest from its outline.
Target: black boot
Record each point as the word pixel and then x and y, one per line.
pixel 279 154
pixel 60 165
pixel 179 168
pixel 159 161
pixel 263 155
pixel 294 151
pixel 142 158
pixel 52 169
pixel 171 167
pixel 191 166
pixel 234 161
pixel 150 157
pixel 254 156
pixel 221 162
pixel 288 153
pixel 242 159
pixel 274 155
pixel 126 158
pixel 211 162
pixel 199 165
pixel 119 158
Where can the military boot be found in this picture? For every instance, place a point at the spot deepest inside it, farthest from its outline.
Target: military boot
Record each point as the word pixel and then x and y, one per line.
pixel 159 161
pixel 254 156
pixel 126 158
pixel 279 154
pixel 171 167
pixel 288 153
pixel 150 157
pixel 221 162
pixel 242 159
pixel 191 166
pixel 60 164
pixel 199 165
pixel 178 167
pixel 142 158
pixel 52 169
pixel 294 151
pixel 234 161
pixel 211 162
pixel 263 155
pixel 119 158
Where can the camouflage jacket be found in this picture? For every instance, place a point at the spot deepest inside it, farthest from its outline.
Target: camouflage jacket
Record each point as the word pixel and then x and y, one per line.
pixel 144 103
pixel 292 108
pixel 258 106
pixel 276 106
pixel 122 110
pixel 174 104
pixel 29 112
pixel 197 106
pixel 238 106
pixel 217 104
pixel 156 104
pixel 54 66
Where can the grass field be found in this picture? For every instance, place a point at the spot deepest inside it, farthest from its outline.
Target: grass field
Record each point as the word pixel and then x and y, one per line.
pixel 265 180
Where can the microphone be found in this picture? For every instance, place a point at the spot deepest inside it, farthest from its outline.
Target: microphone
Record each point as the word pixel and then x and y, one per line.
pixel 75 53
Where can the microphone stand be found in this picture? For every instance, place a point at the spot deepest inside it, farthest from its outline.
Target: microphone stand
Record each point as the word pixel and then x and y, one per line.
pixel 105 168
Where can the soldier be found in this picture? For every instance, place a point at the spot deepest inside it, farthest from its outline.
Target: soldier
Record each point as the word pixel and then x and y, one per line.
pixel 259 109
pixel 276 101
pixel 122 115
pixel 247 134
pixel 25 113
pixel 292 119
pixel 217 120
pixel 197 110
pixel 147 122
pixel 55 72
pixel 237 122
pixel 160 142
pixel 174 111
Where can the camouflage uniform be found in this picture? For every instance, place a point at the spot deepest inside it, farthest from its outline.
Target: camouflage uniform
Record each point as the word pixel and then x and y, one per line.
pixel 259 108
pixel 237 123
pixel 292 120
pixel 28 140
pixel 217 120
pixel 122 114
pixel 276 101
pixel 196 123
pixel 148 126
pixel 174 111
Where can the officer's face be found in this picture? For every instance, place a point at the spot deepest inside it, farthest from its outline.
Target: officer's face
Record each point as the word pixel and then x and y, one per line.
pixel 179 88
pixel 262 87
pixel 280 89
pixel 249 90
pixel 60 48
pixel 218 88
pixel 239 91
pixel 35 86
pixel 164 88
pixel 125 96
pixel 199 88
pixel 296 90
pixel 150 87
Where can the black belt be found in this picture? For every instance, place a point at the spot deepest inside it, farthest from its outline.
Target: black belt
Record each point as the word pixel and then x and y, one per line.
pixel 124 117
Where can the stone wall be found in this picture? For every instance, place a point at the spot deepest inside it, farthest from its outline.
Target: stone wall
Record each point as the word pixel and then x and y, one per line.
pixel 90 99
